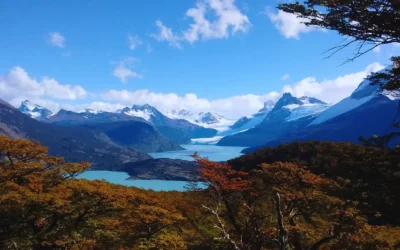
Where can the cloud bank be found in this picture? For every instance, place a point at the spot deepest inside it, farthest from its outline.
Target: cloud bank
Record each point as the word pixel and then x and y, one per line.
pixel 17 86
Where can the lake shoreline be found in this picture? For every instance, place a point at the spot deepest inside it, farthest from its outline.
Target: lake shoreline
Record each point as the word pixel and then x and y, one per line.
pixel 168 171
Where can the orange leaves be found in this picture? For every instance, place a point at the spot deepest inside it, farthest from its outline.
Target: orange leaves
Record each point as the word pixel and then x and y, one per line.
pixel 27 164
pixel 296 182
pixel 222 176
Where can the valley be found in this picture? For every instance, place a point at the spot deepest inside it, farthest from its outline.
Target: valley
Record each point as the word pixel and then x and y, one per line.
pixel 148 144
pixel 200 125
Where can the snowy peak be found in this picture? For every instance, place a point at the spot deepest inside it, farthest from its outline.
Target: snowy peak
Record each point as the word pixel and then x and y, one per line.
pixel 290 108
pixel 365 92
pixel 34 111
pixel 145 111
pixel 310 100
pixel 288 101
pixel 209 118
pixel 206 119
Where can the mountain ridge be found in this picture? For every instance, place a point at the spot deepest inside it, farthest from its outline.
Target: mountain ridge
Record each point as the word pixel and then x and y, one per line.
pixel 75 144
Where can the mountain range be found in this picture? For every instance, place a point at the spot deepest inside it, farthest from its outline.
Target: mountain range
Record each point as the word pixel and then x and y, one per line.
pixel 179 131
pixel 367 111
pixel 73 143
pixel 289 113
pixel 205 119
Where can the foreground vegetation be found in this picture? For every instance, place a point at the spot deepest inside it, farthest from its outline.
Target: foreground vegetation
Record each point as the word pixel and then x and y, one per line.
pixel 312 195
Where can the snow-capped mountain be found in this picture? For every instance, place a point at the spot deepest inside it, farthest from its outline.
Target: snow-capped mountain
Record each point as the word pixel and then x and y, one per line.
pixel 273 117
pixel 146 111
pixel 251 121
pixel 34 110
pixel 310 100
pixel 177 130
pixel 289 113
pixel 368 111
pixel 205 119
pixel 209 118
pixel 364 93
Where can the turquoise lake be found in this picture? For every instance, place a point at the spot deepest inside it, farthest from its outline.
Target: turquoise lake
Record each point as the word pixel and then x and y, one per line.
pixel 212 152
pixel 121 179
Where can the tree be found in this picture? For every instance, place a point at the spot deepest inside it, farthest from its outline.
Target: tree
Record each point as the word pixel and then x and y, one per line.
pixel 286 206
pixel 313 217
pixel 225 187
pixel 43 206
pixel 29 179
pixel 368 24
pixel 368 174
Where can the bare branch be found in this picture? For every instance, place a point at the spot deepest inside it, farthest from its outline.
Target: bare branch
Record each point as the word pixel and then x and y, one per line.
pixel 282 237
pixel 221 226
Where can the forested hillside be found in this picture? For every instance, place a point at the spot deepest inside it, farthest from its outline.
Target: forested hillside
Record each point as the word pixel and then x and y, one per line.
pixel 304 195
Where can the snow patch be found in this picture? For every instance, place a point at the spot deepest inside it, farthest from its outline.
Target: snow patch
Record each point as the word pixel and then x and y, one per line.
pixel 291 106
pixel 143 114
pixel 204 119
pixel 34 114
pixel 306 110
pixel 342 107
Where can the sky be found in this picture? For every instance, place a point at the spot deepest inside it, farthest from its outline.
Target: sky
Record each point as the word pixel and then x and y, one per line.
pixel 224 56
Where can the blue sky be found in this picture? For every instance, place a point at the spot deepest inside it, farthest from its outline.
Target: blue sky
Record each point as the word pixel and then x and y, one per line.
pixel 114 54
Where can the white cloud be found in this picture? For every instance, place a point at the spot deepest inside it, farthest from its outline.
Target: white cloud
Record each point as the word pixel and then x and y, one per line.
pixel 233 107
pixel 56 39
pixel 289 25
pixel 123 70
pixel 17 85
pixel 285 77
pixel 167 35
pixel 228 21
pixel 134 42
pixel 96 105
pixel 334 90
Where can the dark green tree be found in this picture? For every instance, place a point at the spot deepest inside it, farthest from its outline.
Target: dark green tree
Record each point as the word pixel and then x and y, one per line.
pixel 366 24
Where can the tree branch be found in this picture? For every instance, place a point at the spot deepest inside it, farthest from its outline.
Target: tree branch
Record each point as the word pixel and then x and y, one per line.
pixel 282 237
pixel 324 240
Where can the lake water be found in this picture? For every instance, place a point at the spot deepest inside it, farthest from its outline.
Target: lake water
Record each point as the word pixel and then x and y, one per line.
pixel 121 179
pixel 212 152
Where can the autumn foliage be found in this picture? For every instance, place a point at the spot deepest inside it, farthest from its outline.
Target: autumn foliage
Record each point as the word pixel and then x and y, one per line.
pixel 292 204
pixel 286 206
pixel 43 207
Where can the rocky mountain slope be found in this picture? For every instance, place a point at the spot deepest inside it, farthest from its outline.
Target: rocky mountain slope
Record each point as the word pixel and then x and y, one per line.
pixel 367 111
pixel 73 143
pixel 288 114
